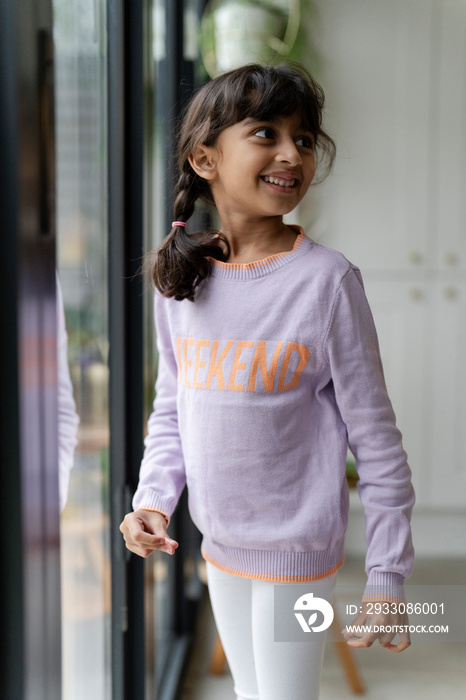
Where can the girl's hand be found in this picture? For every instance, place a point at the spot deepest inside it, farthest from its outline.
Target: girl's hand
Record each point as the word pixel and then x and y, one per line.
pixel 394 620
pixel 145 531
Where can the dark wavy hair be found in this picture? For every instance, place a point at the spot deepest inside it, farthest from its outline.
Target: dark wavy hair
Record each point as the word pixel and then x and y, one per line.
pixel 261 92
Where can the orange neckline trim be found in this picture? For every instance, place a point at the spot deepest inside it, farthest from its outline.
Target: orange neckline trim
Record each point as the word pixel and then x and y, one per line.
pixel 265 261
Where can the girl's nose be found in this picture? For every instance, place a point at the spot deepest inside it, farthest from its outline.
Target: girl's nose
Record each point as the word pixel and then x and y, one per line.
pixel 289 153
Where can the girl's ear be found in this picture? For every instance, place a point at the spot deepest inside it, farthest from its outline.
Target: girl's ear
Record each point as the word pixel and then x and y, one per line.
pixel 204 163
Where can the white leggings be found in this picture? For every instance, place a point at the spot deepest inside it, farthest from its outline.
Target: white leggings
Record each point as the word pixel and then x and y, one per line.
pixel 261 668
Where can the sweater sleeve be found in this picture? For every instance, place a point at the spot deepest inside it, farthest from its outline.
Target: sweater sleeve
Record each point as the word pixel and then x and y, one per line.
pixel 384 484
pixel 162 473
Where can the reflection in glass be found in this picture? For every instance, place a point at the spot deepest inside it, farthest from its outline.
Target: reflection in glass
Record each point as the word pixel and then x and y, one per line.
pixel 80 74
pixel 68 419
pixel 158 581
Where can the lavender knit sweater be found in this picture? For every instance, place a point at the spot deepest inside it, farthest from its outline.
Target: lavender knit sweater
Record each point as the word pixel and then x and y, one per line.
pixel 263 383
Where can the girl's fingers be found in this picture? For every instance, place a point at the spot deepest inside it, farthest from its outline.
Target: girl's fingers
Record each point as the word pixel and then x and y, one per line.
pixel 359 621
pixel 144 550
pixel 141 539
pixel 404 643
pixel 385 640
pixel 140 531
pixel 364 638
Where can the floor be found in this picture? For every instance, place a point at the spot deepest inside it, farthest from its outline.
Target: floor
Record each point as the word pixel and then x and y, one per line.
pixel 427 670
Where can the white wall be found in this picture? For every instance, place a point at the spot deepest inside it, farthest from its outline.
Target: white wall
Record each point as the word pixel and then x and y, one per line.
pixel 394 73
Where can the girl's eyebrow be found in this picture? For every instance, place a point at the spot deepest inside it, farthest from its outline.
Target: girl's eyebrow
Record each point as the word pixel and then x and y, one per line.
pixel 273 120
pixel 255 120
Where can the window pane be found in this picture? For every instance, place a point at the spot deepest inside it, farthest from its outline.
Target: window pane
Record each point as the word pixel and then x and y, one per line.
pixel 81 132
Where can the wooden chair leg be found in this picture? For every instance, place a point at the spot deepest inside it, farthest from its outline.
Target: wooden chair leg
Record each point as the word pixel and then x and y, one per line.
pixel 218 660
pixel 346 656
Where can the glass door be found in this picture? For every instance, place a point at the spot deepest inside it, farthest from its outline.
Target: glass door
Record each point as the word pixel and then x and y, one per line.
pixel 83 197
pixel 80 40
pixel 29 512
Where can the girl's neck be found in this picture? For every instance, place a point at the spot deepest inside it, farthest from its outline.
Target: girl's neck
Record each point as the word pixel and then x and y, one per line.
pixel 252 241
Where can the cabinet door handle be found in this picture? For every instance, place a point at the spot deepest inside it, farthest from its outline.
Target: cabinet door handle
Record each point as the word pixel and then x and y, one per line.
pixel 451 259
pixel 415 257
pixel 450 292
pixel 416 293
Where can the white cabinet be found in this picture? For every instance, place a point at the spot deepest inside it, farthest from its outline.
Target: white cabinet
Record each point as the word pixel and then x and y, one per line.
pixel 422 334
pixel 449 135
pixel 377 78
pixel 394 75
pixel 401 313
pixel 448 375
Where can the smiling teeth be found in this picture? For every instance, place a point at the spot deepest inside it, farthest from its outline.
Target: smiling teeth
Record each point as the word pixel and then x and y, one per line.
pixel 282 183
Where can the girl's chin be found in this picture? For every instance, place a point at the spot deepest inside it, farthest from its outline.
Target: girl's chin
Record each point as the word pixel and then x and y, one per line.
pixel 283 204
pixel 282 210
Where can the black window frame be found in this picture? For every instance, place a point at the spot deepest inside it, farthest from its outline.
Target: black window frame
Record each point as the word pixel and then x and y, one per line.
pixel 126 110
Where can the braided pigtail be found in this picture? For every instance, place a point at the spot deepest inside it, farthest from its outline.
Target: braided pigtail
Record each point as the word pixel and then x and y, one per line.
pixel 182 261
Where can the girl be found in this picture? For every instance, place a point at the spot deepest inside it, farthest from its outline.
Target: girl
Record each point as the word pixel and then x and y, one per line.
pixel 269 368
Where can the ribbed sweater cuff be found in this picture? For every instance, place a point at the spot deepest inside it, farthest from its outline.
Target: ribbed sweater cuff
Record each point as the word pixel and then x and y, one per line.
pixel 148 500
pixel 384 585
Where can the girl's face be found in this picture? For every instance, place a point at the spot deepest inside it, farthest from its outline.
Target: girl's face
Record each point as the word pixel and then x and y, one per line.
pixel 260 168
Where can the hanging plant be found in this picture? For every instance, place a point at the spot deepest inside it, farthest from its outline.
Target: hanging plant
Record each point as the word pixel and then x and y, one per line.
pixel 236 32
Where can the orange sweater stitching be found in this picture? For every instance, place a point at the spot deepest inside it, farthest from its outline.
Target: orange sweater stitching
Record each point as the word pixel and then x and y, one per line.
pixel 276 579
pixel 260 263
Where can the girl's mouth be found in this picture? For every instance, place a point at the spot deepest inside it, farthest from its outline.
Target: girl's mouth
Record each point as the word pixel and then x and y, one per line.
pixel 278 184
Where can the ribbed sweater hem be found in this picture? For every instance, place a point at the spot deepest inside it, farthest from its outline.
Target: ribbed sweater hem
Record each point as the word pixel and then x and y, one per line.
pixel 277 566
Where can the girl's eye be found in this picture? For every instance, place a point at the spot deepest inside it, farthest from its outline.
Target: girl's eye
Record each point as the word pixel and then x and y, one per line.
pixel 264 133
pixel 306 142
